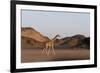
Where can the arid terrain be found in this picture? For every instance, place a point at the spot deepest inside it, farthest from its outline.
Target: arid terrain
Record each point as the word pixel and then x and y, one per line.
pixel 36 55
pixel 76 47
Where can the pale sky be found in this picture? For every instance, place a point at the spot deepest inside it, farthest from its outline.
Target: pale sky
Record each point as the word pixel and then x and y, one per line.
pixel 50 23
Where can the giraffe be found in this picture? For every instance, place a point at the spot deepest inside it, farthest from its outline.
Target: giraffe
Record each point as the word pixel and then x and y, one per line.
pixel 50 45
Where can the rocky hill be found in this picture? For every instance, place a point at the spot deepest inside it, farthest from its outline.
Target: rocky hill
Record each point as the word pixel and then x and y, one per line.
pixel 30 38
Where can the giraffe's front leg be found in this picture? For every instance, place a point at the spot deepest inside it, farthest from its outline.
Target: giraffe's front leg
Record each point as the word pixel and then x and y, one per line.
pixel 53 49
pixel 48 50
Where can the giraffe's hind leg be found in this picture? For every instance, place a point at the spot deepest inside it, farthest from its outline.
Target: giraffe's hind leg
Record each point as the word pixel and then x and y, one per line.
pixel 53 51
pixel 48 52
pixel 43 50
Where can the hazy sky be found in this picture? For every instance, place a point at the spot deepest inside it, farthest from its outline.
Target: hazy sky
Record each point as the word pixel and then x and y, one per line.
pixel 50 23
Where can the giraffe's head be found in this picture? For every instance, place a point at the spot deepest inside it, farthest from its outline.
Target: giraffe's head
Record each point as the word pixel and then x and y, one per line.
pixel 57 35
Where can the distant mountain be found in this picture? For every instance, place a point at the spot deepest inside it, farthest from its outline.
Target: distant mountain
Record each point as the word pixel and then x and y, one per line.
pixel 69 39
pixel 30 38
pixel 85 43
pixel 29 43
pixel 33 34
pixel 73 41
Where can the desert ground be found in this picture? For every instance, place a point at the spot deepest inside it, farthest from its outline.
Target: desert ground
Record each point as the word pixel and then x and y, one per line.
pixel 76 47
pixel 36 55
